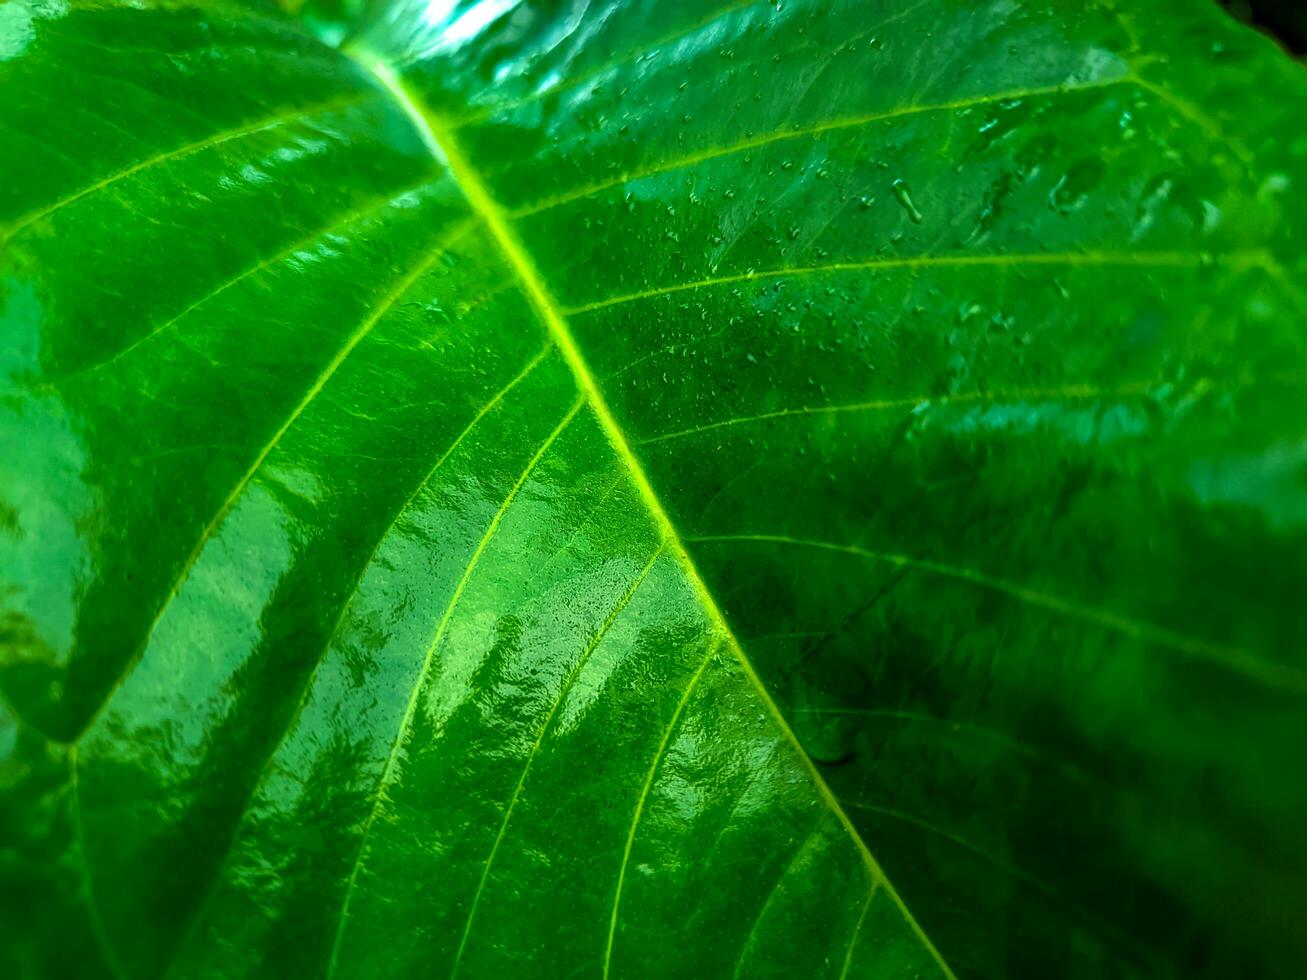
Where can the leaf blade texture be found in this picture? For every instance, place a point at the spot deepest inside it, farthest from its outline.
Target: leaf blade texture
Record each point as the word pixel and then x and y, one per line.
pixel 774 490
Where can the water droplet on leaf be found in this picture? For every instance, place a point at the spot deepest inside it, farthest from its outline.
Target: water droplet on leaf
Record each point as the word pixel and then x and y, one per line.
pixel 904 196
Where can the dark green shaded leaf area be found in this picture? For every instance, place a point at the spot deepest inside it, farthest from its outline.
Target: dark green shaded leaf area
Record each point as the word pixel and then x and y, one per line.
pixel 644 488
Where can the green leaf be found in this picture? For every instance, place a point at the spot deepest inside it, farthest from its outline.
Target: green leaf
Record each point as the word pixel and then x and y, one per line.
pixel 633 490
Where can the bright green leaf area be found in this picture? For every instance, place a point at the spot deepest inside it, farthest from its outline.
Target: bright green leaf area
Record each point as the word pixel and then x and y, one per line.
pixel 652 489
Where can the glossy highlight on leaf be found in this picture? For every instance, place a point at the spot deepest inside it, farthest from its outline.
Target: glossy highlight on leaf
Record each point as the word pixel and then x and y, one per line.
pixel 640 488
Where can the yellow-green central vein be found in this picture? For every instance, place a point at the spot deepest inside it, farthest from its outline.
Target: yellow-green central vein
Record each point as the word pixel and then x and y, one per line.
pixel 439 140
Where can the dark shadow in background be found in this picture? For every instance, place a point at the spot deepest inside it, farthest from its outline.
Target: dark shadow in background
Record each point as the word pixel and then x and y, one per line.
pixel 1285 20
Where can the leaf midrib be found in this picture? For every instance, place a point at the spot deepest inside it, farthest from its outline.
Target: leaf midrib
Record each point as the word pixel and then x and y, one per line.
pixel 438 137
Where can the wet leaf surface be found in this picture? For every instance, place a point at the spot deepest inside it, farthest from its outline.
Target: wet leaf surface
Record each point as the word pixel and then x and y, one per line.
pixel 641 489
